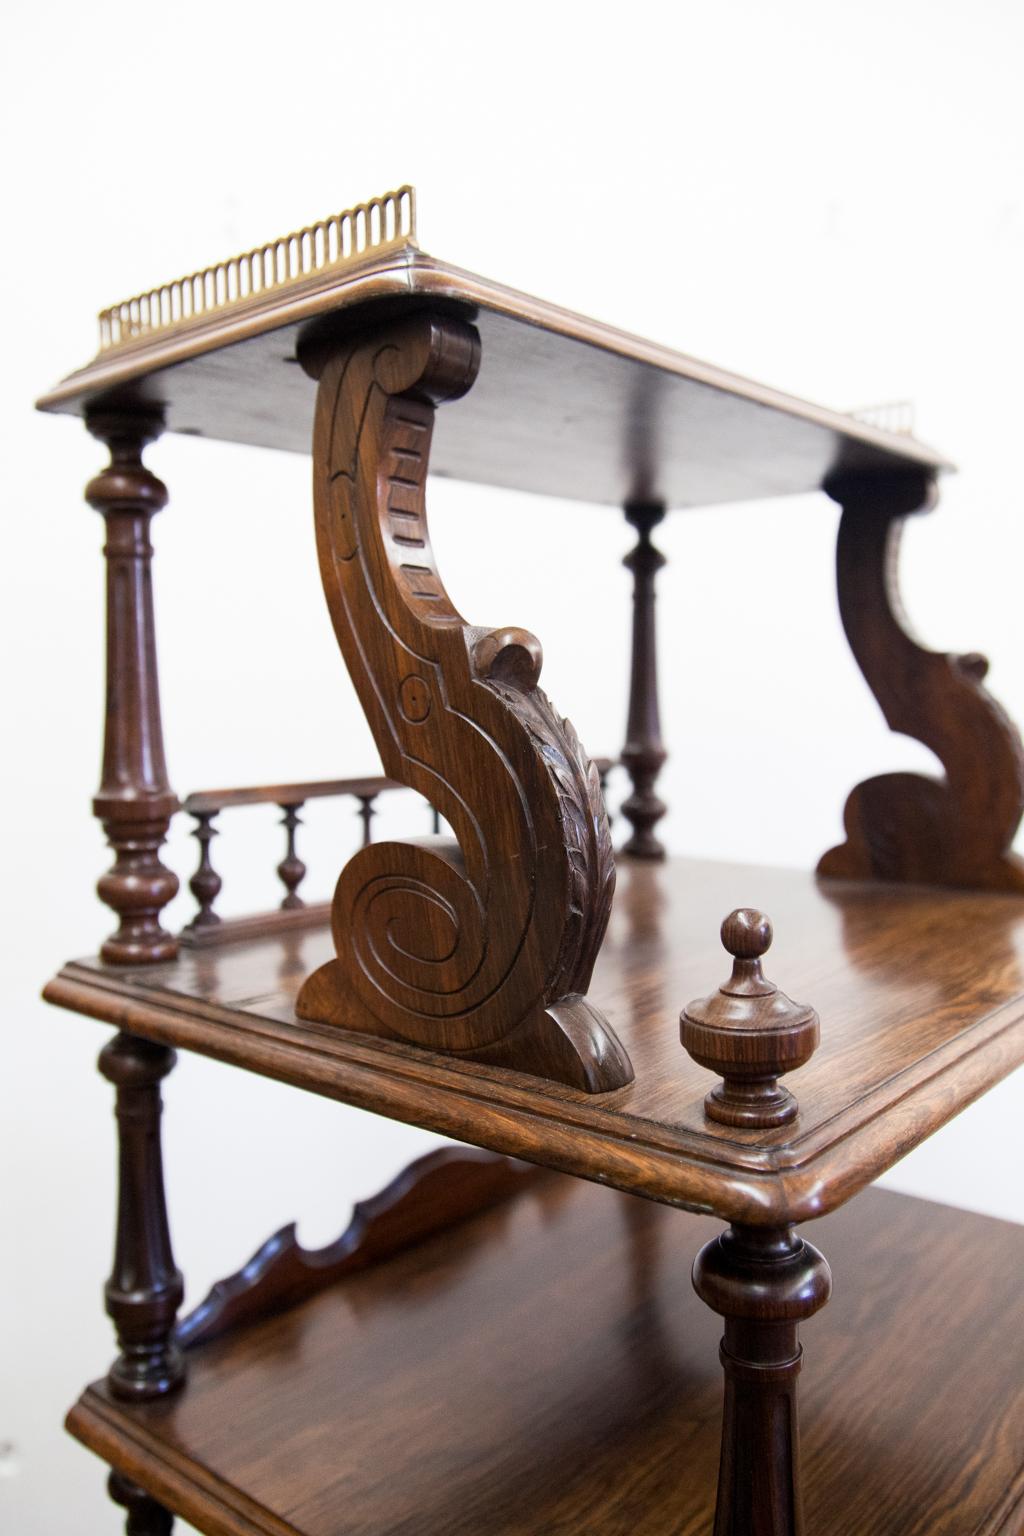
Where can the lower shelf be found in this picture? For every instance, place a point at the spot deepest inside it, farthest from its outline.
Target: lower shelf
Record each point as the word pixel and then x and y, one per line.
pixel 546 1368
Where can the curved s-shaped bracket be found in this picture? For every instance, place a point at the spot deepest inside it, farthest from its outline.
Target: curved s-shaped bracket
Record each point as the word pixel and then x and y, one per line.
pixel 481 946
pixel 955 831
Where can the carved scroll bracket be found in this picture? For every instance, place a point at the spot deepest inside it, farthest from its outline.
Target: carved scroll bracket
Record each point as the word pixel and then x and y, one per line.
pixel 481 946
pixel 955 831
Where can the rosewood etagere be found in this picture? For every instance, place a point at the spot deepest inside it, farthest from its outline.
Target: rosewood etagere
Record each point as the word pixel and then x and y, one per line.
pixel 492 1346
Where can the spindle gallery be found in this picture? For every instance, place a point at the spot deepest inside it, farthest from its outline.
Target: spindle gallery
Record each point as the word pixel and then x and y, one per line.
pixel 505 1339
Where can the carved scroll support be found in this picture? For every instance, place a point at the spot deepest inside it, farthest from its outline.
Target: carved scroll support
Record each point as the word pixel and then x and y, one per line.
pixel 145 1288
pixel 644 754
pixel 956 830
pixel 135 801
pixel 481 945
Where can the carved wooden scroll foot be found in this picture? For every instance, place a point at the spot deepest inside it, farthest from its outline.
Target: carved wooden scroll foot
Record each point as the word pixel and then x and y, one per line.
pixel 481 946
pixel 955 831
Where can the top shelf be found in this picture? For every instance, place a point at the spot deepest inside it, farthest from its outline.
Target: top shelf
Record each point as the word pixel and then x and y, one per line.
pixel 563 406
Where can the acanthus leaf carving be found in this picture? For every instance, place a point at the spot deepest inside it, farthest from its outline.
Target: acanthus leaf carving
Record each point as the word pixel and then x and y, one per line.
pixel 482 945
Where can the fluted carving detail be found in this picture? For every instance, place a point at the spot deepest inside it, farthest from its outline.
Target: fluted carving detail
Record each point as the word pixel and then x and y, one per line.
pixel 482 944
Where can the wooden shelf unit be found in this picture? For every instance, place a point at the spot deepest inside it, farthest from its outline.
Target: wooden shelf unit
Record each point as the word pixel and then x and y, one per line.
pixel 545 1367
pixel 455 1363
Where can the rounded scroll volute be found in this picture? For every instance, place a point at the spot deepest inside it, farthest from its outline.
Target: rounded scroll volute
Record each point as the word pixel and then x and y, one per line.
pixel 749 1032
pixel 482 944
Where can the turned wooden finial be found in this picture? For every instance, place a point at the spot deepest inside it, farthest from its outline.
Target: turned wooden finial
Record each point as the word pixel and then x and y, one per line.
pixel 749 1032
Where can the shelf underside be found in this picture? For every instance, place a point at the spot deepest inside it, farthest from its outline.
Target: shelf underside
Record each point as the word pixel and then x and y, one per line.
pixel 920 992
pixel 547 1367
pixel 563 406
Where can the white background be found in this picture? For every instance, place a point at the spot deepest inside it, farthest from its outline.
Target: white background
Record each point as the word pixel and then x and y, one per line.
pixel 827 196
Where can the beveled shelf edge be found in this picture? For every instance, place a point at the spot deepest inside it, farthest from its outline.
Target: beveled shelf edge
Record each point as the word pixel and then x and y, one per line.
pixel 414 274
pixel 190 1494
pixel 506 1112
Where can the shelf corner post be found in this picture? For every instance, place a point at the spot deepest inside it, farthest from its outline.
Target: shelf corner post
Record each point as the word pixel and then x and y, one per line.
pixel 764 1281
pixel 135 802
pixel 144 1516
pixel 644 753
pixel 145 1288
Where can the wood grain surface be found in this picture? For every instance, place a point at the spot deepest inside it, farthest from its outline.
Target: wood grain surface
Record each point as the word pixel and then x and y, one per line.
pixel 547 1368
pixel 564 406
pixel 920 995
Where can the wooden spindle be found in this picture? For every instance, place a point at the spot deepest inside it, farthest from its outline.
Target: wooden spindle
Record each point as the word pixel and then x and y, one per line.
pixel 749 1032
pixel 435 820
pixel 145 1517
pixel 764 1281
pixel 135 801
pixel 603 770
pixel 205 884
pixel 145 1288
pixel 367 811
pixel 644 754
pixel 291 869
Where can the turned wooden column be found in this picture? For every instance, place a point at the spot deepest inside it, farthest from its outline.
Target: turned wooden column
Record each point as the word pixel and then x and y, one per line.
pixel 145 1288
pixel 644 754
pixel 763 1280
pixel 145 1517
pixel 135 802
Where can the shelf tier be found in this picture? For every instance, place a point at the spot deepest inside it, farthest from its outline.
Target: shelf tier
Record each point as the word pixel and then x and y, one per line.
pixel 563 405
pixel 920 992
pixel 547 1367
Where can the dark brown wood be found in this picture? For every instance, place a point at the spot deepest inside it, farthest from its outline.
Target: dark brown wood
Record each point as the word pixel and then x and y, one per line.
pixel 366 814
pixel 749 1032
pixel 764 1282
pixel 205 884
pixel 906 826
pixel 546 1367
pixel 145 1517
pixel 644 420
pixel 291 870
pixel 145 1288
pixel 284 795
pixel 644 753
pixel 481 945
pixel 920 992
pixel 275 924
pixel 135 802
pixel 432 1195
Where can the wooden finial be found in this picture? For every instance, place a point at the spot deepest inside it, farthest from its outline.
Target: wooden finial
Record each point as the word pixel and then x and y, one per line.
pixel 749 1032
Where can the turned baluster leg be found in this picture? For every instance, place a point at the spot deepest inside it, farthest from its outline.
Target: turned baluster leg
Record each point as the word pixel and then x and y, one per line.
pixel 135 802
pixel 643 754
pixel 205 884
pixel 145 1289
pixel 764 1282
pixel 291 869
pixel 145 1516
pixel 366 812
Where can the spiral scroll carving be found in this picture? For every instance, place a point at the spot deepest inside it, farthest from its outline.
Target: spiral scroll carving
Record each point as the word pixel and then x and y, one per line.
pixel 481 945
pixel 957 830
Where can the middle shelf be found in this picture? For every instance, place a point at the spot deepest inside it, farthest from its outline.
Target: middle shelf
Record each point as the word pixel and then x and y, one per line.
pixel 920 993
